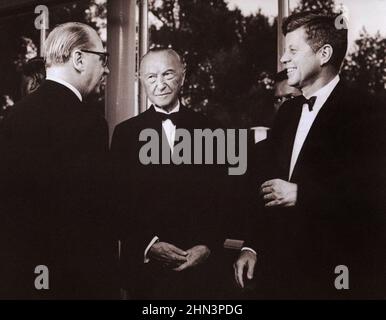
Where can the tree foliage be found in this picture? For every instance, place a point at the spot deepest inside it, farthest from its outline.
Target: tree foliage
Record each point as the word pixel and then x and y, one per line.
pixel 230 58
pixel 366 66
pixel 324 6
pixel 225 53
pixel 19 39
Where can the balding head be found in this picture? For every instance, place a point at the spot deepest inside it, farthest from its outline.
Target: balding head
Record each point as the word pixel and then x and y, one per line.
pixel 64 39
pixel 74 52
pixel 162 75
pixel 169 52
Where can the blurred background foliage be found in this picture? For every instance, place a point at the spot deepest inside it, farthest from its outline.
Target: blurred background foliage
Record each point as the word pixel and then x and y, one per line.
pixel 230 57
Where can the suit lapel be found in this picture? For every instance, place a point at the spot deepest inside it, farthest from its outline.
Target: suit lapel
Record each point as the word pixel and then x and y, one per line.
pixel 152 121
pixel 286 141
pixel 155 123
pixel 319 127
pixel 184 120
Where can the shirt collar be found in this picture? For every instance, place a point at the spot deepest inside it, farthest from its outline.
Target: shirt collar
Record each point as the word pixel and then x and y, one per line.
pixel 325 91
pixel 175 109
pixel 66 84
pixel 322 94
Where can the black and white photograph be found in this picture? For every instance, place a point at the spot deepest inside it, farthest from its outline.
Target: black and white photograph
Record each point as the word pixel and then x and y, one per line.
pixel 221 151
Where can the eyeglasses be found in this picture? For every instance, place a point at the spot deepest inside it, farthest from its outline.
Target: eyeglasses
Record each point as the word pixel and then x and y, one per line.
pixel 103 55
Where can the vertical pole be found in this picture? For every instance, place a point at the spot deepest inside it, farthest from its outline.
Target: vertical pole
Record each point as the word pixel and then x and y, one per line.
pixel 283 6
pixel 43 34
pixel 43 31
pixel 143 48
pixel 121 44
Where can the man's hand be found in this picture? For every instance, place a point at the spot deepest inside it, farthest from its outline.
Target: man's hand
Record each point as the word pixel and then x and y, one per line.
pixel 279 193
pixel 167 254
pixel 196 256
pixel 247 259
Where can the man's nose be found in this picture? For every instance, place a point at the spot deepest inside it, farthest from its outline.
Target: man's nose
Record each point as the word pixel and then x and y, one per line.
pixel 284 58
pixel 106 71
pixel 160 83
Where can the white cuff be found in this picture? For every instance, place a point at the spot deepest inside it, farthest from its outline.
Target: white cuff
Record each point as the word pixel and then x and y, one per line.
pixel 145 258
pixel 248 249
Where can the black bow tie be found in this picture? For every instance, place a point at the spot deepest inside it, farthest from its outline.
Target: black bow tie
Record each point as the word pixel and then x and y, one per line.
pixel 310 102
pixel 173 117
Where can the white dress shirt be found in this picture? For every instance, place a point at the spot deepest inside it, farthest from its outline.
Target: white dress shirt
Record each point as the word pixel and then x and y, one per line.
pixel 170 131
pixel 168 126
pixel 307 118
pixel 66 84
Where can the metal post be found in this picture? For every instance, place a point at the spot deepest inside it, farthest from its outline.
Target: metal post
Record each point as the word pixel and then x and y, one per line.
pixel 43 36
pixel 283 6
pixel 143 48
pixel 121 44
pixel 42 23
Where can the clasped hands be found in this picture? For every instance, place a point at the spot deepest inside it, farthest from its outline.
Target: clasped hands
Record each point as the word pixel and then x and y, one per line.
pixel 176 259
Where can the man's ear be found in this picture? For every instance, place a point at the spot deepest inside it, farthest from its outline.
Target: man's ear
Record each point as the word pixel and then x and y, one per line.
pixel 33 84
pixel 325 53
pixel 77 60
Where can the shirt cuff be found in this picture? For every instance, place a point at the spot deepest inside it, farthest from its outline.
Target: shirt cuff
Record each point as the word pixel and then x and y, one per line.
pixel 248 249
pixel 145 258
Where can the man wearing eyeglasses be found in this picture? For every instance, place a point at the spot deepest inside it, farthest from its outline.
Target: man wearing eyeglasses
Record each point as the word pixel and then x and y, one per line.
pixel 56 148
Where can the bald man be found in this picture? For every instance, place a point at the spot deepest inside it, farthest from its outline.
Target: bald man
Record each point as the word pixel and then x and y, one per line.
pixel 169 227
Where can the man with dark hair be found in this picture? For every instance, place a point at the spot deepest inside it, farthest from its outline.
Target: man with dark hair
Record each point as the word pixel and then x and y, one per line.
pixel 319 30
pixel 169 227
pixel 33 75
pixel 320 197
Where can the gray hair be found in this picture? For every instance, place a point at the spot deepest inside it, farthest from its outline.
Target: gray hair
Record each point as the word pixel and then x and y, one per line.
pixel 64 39
pixel 170 51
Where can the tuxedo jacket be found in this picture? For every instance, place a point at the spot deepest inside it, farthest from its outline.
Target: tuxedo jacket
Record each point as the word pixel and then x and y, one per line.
pixel 54 167
pixel 338 218
pixel 177 203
